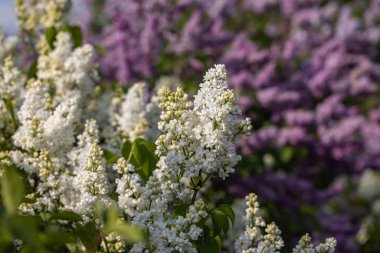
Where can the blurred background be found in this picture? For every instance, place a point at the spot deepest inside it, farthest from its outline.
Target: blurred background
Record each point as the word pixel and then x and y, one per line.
pixel 306 71
pixel 8 20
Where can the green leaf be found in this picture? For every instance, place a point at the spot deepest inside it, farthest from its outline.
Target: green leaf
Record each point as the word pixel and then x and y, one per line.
pixel 151 147
pixel 12 190
pixel 9 106
pixel 204 240
pixel 139 153
pixel 50 35
pixel 144 170
pixel 142 156
pixel 208 244
pixel 32 71
pixel 89 236
pixel 220 221
pixel 66 215
pixel 128 232
pixel 56 238
pixel 110 158
pixel 76 35
pixel 26 229
pixel 111 215
pixel 227 210
pixel 219 242
pixel 74 31
pixel 217 218
pixel 226 225
pixel 126 150
pixel 181 210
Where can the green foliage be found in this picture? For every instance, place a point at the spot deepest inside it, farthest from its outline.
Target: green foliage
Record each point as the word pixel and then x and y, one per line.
pixel 207 243
pixel 67 216
pixel 181 210
pixel 32 71
pixel 50 35
pixel 9 106
pixel 227 210
pixel 125 230
pixel 55 232
pixel 12 190
pixel 110 158
pixel 141 154
pixel 221 218
pixel 74 31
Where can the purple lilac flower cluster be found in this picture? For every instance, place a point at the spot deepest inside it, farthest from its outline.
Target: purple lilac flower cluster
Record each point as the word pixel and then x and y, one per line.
pixel 307 72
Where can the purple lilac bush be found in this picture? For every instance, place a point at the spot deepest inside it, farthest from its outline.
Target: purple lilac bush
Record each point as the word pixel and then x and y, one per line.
pixel 307 72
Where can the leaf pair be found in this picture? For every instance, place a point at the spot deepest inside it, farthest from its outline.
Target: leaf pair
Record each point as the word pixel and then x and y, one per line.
pixel 221 218
pixel 141 154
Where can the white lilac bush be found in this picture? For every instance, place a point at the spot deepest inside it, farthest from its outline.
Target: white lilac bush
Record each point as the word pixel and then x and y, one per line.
pixel 91 169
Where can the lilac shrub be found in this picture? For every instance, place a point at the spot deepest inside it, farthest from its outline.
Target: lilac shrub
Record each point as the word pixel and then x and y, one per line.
pixel 307 73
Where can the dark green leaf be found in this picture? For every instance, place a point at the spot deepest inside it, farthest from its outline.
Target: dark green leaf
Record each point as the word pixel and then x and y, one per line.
pixel 126 150
pixel 50 35
pixel 181 210
pixel 12 190
pixel 9 106
pixel 89 236
pixel 151 147
pixel 217 218
pixel 144 170
pixel 57 238
pixel 226 225
pixel 66 215
pixel 110 158
pixel 210 246
pixel 25 228
pixel 76 35
pixel 227 210
pixel 220 221
pixel 32 71
pixel 139 153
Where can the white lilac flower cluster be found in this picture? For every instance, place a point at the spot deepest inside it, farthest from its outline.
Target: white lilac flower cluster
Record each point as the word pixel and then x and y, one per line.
pixel 34 16
pixel 252 240
pixel 48 112
pixel 186 162
pixel 66 68
pixel 305 246
pixel 198 141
